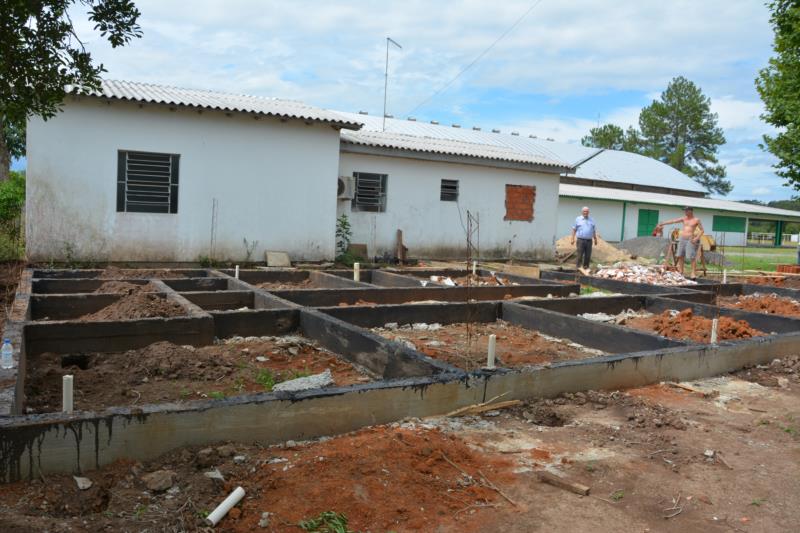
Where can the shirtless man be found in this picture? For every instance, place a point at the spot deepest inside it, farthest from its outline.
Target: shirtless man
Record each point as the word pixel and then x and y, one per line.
pixel 687 242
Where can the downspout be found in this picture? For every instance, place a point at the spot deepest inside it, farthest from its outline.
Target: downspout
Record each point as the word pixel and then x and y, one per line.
pixel 622 230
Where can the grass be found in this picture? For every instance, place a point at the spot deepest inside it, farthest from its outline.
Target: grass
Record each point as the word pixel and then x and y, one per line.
pixel 326 522
pixel 617 495
pixel 217 395
pixel 265 378
pixel 750 258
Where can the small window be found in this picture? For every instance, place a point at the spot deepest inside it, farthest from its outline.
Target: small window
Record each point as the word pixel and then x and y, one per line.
pixel 449 192
pixel 519 202
pixel 147 182
pixel 370 192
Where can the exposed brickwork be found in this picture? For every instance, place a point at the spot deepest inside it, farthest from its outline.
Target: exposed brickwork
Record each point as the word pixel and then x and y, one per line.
pixel 789 269
pixel 519 202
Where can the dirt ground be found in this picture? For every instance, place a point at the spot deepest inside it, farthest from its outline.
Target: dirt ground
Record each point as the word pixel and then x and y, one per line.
pixel 139 273
pixel 287 285
pixel 763 303
pixel 137 303
pixel 165 372
pixel 714 455
pixel 687 326
pixel 789 282
pixel 465 345
pixel 124 287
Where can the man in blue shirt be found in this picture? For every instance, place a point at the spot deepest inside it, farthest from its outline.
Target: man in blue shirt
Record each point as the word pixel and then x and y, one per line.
pixel 586 233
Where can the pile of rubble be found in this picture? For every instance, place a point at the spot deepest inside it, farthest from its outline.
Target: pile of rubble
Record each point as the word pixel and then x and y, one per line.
pixel 653 275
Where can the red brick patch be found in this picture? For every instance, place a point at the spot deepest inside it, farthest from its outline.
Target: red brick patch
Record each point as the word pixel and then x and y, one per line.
pixel 519 202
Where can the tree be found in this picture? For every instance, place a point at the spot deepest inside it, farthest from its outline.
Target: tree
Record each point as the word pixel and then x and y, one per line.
pixel 679 129
pixel 779 87
pixel 612 137
pixel 608 136
pixel 41 56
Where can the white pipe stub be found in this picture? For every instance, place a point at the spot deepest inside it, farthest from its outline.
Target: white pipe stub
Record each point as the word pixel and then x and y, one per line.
pixel 714 326
pixel 227 504
pixel 236 274
pixel 356 271
pixel 67 393
pixel 490 356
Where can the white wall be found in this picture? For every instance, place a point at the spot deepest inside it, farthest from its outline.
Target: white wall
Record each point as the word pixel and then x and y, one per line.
pixel 433 228
pixel 275 183
pixel 607 215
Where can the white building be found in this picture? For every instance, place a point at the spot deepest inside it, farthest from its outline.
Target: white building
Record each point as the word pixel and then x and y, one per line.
pixel 149 173
pixel 142 172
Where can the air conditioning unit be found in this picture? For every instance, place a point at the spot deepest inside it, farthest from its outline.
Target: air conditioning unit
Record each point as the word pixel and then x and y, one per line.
pixel 347 188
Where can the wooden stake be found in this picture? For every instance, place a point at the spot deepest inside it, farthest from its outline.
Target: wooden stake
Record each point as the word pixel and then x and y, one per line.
pixel 556 481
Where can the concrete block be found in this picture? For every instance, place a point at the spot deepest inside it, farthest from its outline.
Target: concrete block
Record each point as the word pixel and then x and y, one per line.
pixel 277 259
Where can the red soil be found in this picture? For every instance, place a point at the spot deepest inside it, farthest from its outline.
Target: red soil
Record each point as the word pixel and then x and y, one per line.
pixel 687 326
pixel 763 303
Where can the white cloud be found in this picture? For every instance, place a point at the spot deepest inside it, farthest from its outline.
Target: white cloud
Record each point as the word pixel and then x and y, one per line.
pixel 760 191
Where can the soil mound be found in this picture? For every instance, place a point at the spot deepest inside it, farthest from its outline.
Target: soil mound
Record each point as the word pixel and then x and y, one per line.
pixel 137 304
pixel 766 303
pixel 775 281
pixel 685 325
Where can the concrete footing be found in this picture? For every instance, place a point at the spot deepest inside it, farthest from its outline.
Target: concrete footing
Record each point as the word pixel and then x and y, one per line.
pixel 408 383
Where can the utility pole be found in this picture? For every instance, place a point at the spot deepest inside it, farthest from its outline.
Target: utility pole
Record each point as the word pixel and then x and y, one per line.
pixel 386 78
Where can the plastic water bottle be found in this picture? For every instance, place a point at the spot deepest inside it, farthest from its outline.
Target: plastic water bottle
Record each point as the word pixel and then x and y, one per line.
pixel 7 354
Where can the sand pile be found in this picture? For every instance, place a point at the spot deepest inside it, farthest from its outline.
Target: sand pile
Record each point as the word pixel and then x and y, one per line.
pixel 602 252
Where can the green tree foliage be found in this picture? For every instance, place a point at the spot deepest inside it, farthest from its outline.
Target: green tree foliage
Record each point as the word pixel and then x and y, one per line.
pixel 612 137
pixel 608 136
pixel 41 55
pixel 678 129
pixel 779 87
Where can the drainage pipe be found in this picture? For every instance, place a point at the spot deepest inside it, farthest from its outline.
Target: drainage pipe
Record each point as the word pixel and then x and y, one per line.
pixel 226 505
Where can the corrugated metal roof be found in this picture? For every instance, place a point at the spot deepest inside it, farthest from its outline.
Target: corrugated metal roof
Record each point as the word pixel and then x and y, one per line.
pixel 161 94
pixel 447 146
pixel 610 165
pixel 620 195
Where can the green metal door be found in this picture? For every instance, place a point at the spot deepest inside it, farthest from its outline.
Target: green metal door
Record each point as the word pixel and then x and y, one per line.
pixel 648 218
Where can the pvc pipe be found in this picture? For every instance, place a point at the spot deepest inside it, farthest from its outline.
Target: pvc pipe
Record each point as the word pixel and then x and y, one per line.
pixel 714 324
pixel 356 271
pixel 474 267
pixel 492 349
pixel 66 393
pixel 226 505
pixel 236 274
pixel 724 276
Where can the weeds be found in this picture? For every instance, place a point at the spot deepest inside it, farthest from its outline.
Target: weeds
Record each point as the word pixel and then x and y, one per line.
pixel 326 522
pixel 249 248
pixel 185 393
pixel 617 495
pixel 217 395
pixel 758 502
pixel 266 379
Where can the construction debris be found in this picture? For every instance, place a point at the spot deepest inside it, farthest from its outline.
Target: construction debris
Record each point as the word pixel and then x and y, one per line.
pixel 619 319
pixel 651 275
pixel 317 381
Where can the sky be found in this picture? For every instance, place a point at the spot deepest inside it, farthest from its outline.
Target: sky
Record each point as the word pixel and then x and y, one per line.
pixel 566 67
